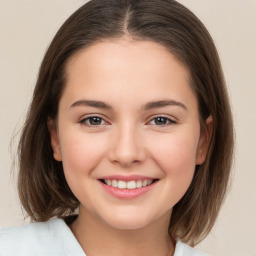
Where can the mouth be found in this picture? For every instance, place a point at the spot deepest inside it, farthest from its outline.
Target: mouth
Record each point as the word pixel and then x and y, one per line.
pixel 128 185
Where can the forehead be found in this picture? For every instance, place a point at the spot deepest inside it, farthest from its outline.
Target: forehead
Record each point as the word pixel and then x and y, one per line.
pixel 123 68
pixel 125 53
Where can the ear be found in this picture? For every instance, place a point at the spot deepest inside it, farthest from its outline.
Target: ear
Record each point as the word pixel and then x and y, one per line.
pixel 54 139
pixel 204 141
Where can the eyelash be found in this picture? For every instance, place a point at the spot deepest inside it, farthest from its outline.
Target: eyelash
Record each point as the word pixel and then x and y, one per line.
pixel 168 120
pixel 90 118
pixel 87 121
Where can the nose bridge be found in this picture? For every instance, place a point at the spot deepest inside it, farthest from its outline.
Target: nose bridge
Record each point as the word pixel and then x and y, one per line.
pixel 127 146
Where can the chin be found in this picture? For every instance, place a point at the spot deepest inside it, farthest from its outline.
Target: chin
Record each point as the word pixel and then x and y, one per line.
pixel 129 221
pixel 127 225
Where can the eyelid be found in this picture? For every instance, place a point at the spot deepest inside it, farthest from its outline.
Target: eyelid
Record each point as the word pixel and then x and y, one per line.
pixel 171 120
pixel 86 117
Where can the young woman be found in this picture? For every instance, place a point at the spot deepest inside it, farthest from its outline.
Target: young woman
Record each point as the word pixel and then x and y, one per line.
pixel 130 126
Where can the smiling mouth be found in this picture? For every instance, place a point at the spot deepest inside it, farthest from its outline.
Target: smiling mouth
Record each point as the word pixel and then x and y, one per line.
pixel 132 184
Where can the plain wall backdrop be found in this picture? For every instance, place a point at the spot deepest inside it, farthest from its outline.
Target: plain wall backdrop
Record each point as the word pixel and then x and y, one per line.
pixel 26 29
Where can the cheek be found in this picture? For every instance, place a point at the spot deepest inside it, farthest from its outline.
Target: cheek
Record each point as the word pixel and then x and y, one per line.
pixel 81 154
pixel 176 157
pixel 176 151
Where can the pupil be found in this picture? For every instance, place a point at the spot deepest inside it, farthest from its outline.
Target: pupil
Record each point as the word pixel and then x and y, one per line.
pixel 95 120
pixel 161 120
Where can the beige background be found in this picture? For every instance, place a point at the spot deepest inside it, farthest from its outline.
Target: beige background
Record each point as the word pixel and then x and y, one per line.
pixel 26 28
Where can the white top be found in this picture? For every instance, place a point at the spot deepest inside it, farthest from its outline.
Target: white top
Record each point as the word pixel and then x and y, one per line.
pixel 54 238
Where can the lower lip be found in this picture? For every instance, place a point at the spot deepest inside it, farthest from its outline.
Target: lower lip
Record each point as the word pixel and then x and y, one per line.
pixel 127 193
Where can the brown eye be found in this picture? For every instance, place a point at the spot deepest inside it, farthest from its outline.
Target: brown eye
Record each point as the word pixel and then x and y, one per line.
pixel 161 120
pixel 93 121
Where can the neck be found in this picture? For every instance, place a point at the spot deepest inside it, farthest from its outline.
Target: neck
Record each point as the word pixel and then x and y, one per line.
pixel 98 238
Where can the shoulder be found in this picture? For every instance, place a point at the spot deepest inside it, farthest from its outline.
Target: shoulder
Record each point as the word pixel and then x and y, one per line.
pixel 32 239
pixel 185 250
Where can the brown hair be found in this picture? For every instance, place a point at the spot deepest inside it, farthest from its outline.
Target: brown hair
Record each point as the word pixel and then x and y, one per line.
pixel 43 189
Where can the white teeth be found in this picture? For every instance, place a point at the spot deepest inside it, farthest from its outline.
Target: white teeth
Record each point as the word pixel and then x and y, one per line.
pixel 132 184
pixel 109 182
pixel 139 184
pixel 121 184
pixel 114 183
pixel 144 183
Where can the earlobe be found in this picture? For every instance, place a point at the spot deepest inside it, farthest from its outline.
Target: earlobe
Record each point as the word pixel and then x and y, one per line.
pixel 54 139
pixel 204 141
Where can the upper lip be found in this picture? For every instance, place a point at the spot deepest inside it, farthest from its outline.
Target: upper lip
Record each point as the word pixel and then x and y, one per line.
pixel 127 178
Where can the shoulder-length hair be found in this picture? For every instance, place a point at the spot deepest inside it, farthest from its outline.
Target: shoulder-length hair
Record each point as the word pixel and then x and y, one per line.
pixel 43 190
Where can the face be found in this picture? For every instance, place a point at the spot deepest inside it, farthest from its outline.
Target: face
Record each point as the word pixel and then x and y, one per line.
pixel 128 132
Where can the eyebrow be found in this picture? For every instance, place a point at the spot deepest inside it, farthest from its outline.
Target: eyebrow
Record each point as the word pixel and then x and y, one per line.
pixel 91 103
pixel 148 106
pixel 164 103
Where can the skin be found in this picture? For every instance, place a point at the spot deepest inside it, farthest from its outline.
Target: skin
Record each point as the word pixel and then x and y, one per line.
pixel 127 139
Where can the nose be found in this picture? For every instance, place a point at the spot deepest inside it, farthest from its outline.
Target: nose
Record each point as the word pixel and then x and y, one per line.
pixel 127 146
